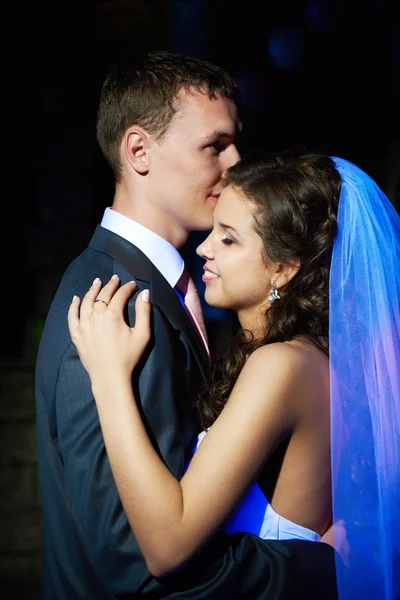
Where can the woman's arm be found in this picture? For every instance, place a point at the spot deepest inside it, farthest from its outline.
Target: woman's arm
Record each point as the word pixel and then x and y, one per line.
pixel 172 520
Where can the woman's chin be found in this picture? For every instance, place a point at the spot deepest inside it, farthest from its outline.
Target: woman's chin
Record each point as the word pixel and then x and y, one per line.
pixel 214 300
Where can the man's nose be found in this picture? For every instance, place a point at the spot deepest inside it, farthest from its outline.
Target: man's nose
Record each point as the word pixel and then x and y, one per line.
pixel 231 157
pixel 234 155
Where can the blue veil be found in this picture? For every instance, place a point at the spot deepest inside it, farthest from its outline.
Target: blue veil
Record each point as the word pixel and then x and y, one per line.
pixel 364 334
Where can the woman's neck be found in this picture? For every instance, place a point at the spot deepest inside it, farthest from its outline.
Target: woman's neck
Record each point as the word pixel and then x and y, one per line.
pixel 253 321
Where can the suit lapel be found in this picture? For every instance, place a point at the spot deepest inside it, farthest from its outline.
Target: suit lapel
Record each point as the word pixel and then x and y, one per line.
pixel 165 297
pixel 161 293
pixel 122 251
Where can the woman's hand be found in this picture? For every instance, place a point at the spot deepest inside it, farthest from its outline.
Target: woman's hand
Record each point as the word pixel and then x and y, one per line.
pixel 107 346
pixel 336 537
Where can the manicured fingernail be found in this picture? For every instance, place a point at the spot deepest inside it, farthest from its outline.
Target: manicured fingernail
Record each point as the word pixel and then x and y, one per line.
pixel 145 295
pixel 96 281
pixel 134 282
pixel 74 298
pixel 115 277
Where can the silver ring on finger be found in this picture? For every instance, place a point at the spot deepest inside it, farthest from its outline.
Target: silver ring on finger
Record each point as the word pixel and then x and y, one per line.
pixel 100 300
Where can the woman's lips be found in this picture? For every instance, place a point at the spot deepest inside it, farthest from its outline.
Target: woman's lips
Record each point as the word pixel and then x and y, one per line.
pixel 209 275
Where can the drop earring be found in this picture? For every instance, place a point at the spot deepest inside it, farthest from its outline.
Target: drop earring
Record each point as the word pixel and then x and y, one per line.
pixel 273 295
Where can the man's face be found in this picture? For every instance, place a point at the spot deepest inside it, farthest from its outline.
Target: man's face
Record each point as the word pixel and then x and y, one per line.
pixel 187 166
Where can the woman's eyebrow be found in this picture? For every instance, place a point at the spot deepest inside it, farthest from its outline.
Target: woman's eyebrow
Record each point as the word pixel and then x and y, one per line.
pixel 230 227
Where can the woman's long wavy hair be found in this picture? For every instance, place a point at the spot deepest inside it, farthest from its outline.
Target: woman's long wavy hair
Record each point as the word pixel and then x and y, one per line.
pixel 295 199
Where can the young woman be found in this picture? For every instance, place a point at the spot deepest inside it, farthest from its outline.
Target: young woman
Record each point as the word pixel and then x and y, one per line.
pixel 263 462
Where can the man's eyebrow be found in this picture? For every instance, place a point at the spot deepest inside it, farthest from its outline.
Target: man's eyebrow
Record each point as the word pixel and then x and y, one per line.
pixel 218 135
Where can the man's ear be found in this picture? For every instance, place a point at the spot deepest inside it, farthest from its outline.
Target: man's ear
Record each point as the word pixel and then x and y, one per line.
pixel 135 149
pixel 285 271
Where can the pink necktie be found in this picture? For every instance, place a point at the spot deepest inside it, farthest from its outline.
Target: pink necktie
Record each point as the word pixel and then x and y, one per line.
pixel 187 289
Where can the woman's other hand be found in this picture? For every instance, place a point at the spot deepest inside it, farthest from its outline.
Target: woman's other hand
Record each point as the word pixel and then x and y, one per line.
pixel 336 537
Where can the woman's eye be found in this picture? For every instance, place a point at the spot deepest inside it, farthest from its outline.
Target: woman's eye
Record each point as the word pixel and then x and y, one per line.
pixel 227 241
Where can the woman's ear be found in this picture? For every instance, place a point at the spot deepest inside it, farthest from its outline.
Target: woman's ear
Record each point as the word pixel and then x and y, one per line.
pixel 136 150
pixel 284 272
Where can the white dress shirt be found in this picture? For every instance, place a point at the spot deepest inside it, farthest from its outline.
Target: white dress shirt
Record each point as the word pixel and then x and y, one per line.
pixel 161 253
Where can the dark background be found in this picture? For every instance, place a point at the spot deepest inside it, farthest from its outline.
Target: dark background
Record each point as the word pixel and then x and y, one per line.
pixel 318 73
pixel 323 74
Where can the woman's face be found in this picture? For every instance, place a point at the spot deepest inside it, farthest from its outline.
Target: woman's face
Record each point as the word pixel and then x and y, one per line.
pixel 235 274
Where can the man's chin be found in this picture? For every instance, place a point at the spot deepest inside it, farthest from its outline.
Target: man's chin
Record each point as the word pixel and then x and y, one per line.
pixel 205 225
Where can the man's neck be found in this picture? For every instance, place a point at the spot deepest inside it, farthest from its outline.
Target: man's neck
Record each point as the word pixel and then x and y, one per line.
pixel 143 213
pixel 164 256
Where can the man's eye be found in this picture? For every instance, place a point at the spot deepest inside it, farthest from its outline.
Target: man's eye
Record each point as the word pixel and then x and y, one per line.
pixel 227 241
pixel 217 146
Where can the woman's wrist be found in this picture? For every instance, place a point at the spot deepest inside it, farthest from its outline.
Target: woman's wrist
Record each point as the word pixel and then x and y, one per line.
pixel 112 387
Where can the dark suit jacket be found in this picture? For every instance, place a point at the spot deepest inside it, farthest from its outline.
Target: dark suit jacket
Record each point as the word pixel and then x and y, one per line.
pixel 89 551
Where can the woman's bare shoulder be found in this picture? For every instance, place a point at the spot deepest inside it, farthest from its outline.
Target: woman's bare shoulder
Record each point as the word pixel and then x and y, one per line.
pixel 280 388
pixel 297 371
pixel 296 356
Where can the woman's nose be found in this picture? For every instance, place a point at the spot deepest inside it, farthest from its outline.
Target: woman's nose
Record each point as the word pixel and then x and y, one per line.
pixel 205 249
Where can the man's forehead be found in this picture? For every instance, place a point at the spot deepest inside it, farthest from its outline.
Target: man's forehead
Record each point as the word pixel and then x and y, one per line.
pixel 212 117
pixel 199 100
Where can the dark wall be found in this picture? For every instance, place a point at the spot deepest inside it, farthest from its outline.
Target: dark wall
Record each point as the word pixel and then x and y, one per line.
pixel 318 73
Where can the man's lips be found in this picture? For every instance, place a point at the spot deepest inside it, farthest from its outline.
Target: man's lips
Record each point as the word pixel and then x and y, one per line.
pixel 214 198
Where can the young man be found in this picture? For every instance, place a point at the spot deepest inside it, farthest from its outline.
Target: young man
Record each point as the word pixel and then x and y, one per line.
pixel 168 130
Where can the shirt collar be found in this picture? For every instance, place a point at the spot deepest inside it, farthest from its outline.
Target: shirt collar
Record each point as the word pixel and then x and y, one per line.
pixel 161 253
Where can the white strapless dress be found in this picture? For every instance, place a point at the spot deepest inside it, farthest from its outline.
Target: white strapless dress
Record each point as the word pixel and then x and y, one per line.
pixel 256 515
